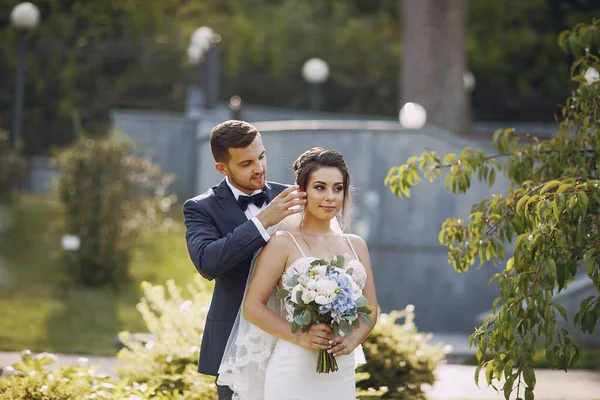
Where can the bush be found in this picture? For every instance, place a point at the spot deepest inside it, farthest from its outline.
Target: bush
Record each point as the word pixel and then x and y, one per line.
pixel 29 379
pixel 399 358
pixel 12 170
pixel 169 362
pixel 109 198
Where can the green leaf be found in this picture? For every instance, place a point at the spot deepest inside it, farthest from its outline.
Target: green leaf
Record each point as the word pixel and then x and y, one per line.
pixel 528 393
pixel 582 197
pixel 492 177
pixel 282 294
pixel 477 372
pixel 529 376
pixel 362 301
pixel 366 319
pixel 299 319
pixel 345 327
pixel 295 327
pixel 562 311
pixel 306 317
pixel 489 371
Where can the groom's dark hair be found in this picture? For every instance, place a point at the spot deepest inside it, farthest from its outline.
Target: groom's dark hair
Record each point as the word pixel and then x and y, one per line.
pixel 231 134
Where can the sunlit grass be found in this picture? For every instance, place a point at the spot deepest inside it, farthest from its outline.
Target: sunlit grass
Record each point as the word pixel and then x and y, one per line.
pixel 43 310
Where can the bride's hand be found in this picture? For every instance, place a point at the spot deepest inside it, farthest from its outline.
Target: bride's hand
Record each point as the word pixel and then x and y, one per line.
pixel 342 346
pixel 317 337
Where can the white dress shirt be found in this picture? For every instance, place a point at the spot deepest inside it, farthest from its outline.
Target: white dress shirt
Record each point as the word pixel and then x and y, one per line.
pixel 252 211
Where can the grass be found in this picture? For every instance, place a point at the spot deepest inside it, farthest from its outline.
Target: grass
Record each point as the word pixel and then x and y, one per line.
pixel 42 310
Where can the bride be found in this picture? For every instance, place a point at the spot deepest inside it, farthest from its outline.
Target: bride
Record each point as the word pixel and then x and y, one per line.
pixel 263 358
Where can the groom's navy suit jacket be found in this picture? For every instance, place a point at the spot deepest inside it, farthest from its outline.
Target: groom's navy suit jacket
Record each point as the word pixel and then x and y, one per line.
pixel 221 242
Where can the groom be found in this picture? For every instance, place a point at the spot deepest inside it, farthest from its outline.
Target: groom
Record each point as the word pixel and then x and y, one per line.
pixel 228 224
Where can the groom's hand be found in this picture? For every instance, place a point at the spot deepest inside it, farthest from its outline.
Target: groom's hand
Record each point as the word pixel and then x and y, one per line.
pixel 317 337
pixel 288 202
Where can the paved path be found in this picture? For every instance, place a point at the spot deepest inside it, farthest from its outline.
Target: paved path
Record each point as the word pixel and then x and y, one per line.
pixel 455 382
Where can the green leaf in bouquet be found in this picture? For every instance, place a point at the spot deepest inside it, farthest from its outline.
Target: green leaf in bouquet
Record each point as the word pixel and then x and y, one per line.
pixel 305 328
pixel 365 309
pixel 291 281
pixel 345 327
pixel 356 324
pixel 299 298
pixel 350 271
pixel 282 294
pixel 338 261
pixel 336 330
pixel 295 327
pixel 362 302
pixel 318 262
pixel 299 319
pixel 307 317
pixel 351 317
pixel 366 319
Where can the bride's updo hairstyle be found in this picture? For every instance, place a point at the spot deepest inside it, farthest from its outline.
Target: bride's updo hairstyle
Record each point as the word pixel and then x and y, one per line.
pixel 316 158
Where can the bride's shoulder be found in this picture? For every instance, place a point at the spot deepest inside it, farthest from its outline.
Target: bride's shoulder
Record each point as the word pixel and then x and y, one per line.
pixel 281 239
pixel 357 241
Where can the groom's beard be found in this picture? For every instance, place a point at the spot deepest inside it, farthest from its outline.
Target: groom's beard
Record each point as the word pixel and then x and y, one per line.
pixel 250 186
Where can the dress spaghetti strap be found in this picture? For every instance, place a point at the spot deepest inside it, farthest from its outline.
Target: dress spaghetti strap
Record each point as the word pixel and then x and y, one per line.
pixel 352 247
pixel 296 242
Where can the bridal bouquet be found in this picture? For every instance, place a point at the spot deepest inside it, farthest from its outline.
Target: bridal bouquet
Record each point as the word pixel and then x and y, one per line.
pixel 325 293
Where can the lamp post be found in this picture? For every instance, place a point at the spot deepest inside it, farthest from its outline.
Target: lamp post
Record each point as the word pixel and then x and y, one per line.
pixel 469 85
pixel 203 51
pixel 315 72
pixel 591 75
pixel 24 17
pixel 412 116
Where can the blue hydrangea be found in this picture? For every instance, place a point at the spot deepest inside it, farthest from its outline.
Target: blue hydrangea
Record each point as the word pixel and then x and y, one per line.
pixel 343 304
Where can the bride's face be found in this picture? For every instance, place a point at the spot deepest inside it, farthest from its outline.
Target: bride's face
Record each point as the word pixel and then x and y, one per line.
pixel 325 193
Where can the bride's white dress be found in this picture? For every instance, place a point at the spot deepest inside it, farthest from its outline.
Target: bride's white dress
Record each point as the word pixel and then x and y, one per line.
pixel 291 369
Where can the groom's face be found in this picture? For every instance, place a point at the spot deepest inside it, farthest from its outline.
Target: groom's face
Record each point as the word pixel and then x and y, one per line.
pixel 247 167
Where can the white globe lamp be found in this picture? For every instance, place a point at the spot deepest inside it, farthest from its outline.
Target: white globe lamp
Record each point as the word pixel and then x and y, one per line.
pixel 412 116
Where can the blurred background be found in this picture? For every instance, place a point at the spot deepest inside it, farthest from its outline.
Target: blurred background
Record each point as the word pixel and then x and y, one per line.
pixel 379 81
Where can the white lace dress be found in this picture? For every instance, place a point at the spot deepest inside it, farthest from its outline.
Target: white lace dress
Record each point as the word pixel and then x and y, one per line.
pixel 291 369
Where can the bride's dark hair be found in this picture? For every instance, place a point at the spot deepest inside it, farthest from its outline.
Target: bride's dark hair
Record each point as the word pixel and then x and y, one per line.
pixel 316 158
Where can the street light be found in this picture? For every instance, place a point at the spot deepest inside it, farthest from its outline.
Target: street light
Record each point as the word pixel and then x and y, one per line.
pixel 469 85
pixel 412 116
pixel 24 17
pixel 315 72
pixel 468 81
pixel 203 51
pixel 591 75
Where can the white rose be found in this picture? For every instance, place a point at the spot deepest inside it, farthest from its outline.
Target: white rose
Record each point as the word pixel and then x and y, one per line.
pixel 322 300
pixel 326 287
pixel 311 284
pixel 320 270
pixel 295 290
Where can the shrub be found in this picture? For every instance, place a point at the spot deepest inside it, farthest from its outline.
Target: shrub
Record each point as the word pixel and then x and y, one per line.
pixel 29 379
pixel 12 169
pixel 109 198
pixel 169 361
pixel 399 358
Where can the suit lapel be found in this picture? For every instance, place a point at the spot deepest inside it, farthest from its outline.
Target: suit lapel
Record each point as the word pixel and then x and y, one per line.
pixel 227 202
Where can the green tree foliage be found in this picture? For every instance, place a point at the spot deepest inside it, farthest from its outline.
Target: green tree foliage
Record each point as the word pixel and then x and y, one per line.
pixel 93 56
pixel 109 197
pixel 548 219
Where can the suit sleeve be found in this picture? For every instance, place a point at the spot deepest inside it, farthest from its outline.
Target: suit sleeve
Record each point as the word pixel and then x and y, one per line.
pixel 212 254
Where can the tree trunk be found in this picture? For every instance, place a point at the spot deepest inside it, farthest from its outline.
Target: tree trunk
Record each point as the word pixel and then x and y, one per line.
pixel 434 60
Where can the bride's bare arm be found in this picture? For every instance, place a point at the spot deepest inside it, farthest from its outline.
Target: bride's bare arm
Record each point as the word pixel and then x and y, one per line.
pixel 269 268
pixel 345 345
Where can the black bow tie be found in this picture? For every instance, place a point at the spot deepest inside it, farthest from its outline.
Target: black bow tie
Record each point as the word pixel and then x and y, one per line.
pixel 258 199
